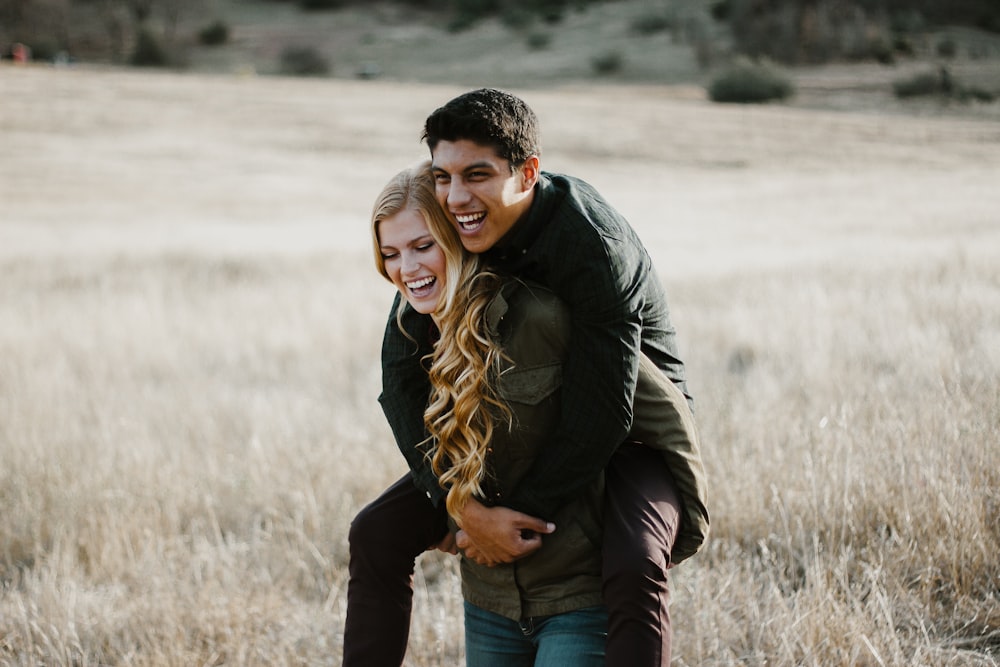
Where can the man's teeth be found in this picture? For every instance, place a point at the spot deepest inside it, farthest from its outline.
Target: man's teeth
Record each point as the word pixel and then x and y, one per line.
pixel 423 282
pixel 470 220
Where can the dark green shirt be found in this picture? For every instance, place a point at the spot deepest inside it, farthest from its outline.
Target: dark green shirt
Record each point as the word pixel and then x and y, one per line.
pixel 575 243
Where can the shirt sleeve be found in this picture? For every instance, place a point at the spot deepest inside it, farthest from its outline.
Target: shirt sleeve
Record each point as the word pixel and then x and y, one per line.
pixel 405 389
pixel 602 279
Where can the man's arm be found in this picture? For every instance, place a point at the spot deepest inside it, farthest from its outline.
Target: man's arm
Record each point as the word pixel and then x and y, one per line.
pixel 493 535
pixel 607 282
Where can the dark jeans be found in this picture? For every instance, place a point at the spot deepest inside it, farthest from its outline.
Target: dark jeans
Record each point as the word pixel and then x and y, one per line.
pixel 642 514
pixel 571 639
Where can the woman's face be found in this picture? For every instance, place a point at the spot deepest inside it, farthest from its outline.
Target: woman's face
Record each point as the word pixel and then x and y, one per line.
pixel 413 259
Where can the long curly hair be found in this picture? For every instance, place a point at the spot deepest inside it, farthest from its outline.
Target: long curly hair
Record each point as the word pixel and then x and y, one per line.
pixel 464 406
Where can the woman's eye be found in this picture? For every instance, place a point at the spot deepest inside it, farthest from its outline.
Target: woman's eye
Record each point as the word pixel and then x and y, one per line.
pixel 386 256
pixel 426 246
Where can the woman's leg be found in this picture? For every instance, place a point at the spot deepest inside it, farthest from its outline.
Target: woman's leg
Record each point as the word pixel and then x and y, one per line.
pixel 385 539
pixel 642 516
pixel 492 640
pixel 574 639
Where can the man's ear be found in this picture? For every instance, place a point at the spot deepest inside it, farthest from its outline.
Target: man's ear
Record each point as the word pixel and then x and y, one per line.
pixel 530 171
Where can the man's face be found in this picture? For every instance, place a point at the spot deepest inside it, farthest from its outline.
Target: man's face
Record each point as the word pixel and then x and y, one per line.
pixel 477 189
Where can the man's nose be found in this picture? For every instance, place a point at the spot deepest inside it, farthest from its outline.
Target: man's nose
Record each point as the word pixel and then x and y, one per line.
pixel 458 194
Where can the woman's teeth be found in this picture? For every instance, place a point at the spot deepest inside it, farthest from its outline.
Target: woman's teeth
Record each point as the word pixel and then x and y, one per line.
pixel 423 282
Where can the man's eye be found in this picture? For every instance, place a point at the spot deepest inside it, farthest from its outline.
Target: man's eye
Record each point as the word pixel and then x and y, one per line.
pixel 441 178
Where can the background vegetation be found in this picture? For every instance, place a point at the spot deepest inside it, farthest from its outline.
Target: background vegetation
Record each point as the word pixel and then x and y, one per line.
pixel 815 53
pixel 790 31
pixel 189 332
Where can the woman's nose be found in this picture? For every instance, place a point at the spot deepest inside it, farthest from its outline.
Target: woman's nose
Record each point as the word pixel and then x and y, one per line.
pixel 410 262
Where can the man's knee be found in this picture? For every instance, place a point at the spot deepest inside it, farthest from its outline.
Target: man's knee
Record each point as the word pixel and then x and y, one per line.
pixel 368 528
pixel 637 569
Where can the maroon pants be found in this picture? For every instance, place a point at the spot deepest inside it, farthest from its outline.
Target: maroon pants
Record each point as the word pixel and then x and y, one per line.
pixel 642 514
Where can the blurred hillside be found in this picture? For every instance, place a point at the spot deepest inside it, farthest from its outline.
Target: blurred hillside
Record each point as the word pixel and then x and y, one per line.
pixel 840 52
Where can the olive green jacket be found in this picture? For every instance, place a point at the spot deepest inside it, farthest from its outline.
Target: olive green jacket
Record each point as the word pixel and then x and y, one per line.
pixel 533 328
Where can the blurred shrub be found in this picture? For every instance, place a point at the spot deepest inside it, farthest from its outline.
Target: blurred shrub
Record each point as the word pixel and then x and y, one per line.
pixel 214 34
pixel 907 21
pixel 903 45
pixel 947 48
pixel 148 51
pixel 320 4
pixel 609 62
pixel 922 83
pixel 466 13
pixel 651 23
pixel 748 82
pixel 515 14
pixel 517 18
pixel 975 93
pixel 940 83
pixel 44 49
pixel 304 61
pixel 538 40
pixel 721 10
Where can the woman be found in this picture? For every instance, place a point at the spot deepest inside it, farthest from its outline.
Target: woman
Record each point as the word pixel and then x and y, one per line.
pixel 495 377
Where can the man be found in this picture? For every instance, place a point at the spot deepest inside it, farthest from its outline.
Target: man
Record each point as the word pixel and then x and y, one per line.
pixel 560 232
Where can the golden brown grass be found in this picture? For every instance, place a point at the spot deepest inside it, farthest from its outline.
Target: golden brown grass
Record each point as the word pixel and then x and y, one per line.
pixel 189 333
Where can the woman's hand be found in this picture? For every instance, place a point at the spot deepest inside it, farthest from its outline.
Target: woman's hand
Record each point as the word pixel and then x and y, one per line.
pixel 494 535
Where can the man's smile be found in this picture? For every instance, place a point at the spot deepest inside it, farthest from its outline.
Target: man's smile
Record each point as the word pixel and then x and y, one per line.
pixel 470 222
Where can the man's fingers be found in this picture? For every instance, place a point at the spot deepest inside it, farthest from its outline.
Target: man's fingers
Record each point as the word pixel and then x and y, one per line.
pixel 536 525
pixel 462 540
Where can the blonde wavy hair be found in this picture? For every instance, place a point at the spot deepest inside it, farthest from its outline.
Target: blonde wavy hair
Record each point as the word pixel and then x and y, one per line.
pixel 464 406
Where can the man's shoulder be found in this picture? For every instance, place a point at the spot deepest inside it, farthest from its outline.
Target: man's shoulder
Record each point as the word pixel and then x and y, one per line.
pixel 577 204
pixel 582 223
pixel 561 185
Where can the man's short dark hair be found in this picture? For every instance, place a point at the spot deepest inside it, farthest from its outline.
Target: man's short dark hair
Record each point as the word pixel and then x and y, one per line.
pixel 488 117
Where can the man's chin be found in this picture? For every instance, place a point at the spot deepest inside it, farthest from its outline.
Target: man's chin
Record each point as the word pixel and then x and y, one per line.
pixel 476 245
pixel 476 241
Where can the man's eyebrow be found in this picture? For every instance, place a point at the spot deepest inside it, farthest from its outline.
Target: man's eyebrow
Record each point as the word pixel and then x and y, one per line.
pixel 479 165
pixel 470 167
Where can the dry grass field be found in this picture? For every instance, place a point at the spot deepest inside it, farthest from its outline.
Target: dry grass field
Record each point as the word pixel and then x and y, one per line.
pixel 189 333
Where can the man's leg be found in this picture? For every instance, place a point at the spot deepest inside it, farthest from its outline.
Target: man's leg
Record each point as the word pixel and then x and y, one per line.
pixel 642 516
pixel 385 539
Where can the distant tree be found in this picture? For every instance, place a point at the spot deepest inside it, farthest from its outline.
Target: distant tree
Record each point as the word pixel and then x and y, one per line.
pixel 304 61
pixel 41 24
pixel 172 11
pixel 148 51
pixel 125 21
pixel 214 34
pixel 320 4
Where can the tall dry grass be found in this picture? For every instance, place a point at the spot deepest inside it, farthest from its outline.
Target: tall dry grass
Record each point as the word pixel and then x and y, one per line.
pixel 189 367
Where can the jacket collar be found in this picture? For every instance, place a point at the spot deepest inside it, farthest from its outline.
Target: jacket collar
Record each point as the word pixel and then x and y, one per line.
pixel 526 230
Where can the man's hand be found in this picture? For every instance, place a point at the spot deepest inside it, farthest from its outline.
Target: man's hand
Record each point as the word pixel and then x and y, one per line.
pixel 494 535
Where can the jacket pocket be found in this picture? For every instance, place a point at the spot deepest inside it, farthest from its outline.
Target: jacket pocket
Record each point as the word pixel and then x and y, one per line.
pixel 531 386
